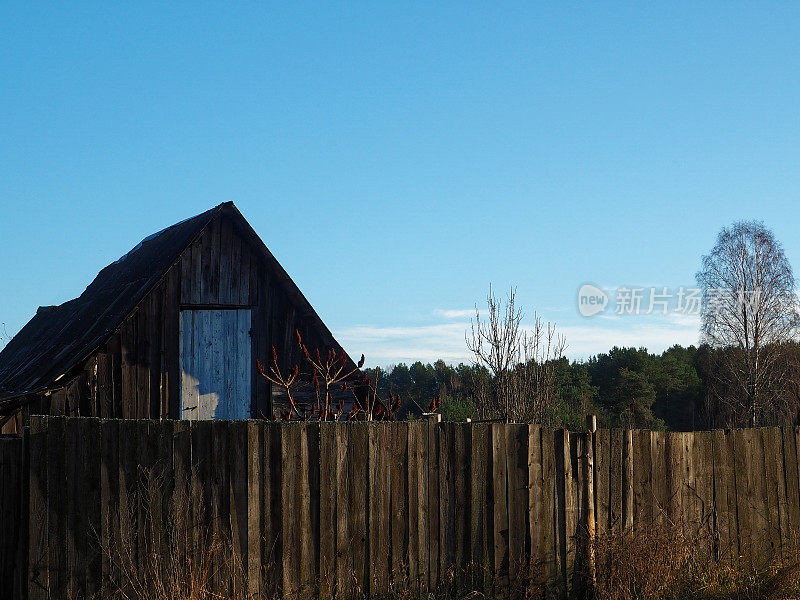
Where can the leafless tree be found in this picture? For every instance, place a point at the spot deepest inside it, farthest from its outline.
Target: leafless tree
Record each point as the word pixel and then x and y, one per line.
pixel 521 361
pixel 749 312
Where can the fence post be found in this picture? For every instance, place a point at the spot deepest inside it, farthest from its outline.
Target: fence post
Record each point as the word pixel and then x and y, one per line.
pixel 627 480
pixel 588 495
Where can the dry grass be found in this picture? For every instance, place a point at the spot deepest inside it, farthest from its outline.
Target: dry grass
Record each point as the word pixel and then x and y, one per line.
pixel 169 557
pixel 662 563
pixel 651 565
pixel 644 564
pixel 170 560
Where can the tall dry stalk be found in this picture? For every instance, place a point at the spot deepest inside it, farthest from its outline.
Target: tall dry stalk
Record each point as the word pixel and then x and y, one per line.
pixel 167 556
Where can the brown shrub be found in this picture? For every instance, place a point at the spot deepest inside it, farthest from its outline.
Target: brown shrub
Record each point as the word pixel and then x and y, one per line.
pixel 661 562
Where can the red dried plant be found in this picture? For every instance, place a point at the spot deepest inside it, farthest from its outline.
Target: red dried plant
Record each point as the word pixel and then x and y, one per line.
pixel 285 381
pixel 329 370
pixel 331 375
pixel 371 407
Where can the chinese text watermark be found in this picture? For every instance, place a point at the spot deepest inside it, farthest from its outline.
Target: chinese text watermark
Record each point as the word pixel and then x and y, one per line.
pixel 683 300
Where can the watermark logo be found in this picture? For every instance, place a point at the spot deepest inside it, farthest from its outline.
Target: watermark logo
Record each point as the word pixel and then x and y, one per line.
pixel 592 300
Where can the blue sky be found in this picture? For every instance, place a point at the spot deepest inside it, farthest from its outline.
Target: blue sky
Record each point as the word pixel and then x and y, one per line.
pixel 399 157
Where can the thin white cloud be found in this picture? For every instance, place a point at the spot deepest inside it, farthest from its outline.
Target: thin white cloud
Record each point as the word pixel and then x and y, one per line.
pixel 684 320
pixel 585 340
pixel 557 309
pixel 454 313
pixel 389 345
pixel 608 317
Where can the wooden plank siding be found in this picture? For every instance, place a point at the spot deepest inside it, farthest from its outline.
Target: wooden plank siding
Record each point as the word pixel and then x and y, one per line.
pixel 135 372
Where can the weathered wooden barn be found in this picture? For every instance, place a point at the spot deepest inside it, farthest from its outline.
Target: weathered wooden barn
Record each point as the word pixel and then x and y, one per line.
pixel 172 329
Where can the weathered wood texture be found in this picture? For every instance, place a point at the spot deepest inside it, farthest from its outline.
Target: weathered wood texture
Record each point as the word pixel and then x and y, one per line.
pixel 215 359
pixel 12 501
pixel 136 372
pixel 348 510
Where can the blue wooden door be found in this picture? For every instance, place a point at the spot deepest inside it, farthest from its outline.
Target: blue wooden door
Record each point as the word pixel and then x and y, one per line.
pixel 215 363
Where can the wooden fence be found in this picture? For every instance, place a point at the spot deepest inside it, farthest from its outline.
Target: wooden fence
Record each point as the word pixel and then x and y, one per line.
pixel 342 510
pixel 12 562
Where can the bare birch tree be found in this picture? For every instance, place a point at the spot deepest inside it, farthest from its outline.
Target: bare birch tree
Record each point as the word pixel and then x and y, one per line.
pixel 521 361
pixel 749 311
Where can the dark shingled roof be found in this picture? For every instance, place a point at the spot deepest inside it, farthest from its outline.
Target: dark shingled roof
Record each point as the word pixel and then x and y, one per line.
pixel 59 337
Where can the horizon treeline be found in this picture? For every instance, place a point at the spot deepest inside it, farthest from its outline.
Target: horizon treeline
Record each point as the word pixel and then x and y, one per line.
pixel 625 387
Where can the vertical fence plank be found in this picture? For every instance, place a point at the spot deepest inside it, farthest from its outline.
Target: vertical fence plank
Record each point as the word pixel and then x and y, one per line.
pixel 704 488
pixel 429 479
pixel 220 503
pixel 500 502
pixel 309 508
pixel 180 507
pixel 658 483
pixel 742 448
pixel 434 430
pixel 550 510
pixel 627 480
pixel 271 509
pixel 446 497
pixel 373 513
pixel 727 547
pixel 562 468
pixel 570 505
pixel 575 518
pixel 602 465
pixel 772 489
pixel 414 508
pixel 161 490
pixel 536 520
pixel 109 501
pixel 331 511
pixel 143 472
pixel 56 501
pixel 783 508
pixel 68 508
pixel 290 474
pixel 423 518
pixel 589 573
pixel 342 462
pixel 359 436
pixel 615 470
pixel 92 503
pixel 482 506
pixel 39 529
pixel 690 501
pixel 758 499
pixel 398 467
pixel 128 490
pixel 238 460
pixel 379 507
pixel 461 497
pixel 517 476
pixel 673 475
pixel 75 539
pixel 642 483
pixel 792 500
pixel 794 457
pixel 201 484
pixel 13 549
